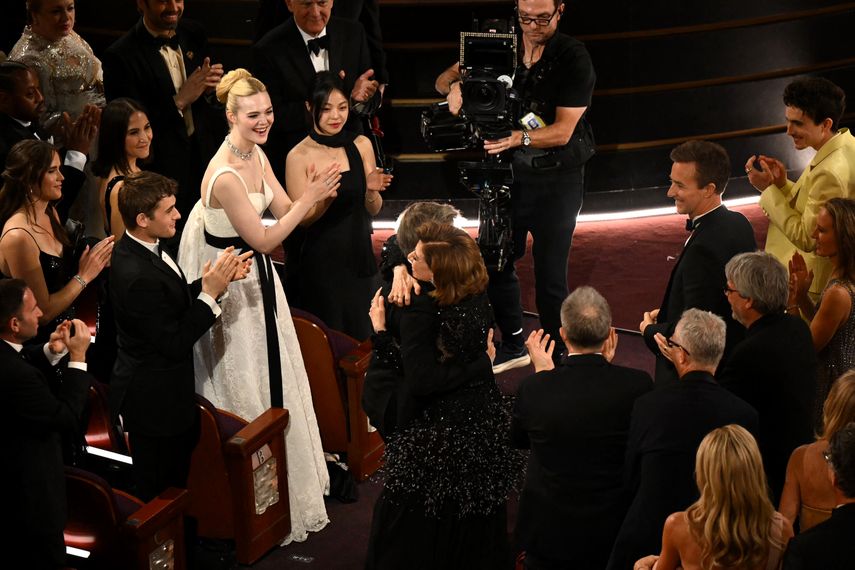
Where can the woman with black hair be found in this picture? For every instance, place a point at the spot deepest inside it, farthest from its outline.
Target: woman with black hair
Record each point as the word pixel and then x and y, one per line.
pixel 125 141
pixel 336 268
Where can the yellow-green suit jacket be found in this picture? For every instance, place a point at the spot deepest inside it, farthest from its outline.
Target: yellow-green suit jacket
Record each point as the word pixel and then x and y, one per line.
pixel 792 210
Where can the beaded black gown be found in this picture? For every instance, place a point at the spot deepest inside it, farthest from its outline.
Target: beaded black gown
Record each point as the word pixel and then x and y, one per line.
pixel 449 468
pixel 838 355
pixel 337 272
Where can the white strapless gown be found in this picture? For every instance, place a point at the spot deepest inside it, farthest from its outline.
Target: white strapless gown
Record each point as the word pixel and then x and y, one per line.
pixel 231 363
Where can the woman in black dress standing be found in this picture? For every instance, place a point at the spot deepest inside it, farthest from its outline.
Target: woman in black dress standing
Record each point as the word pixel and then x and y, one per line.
pixel 336 268
pixel 449 468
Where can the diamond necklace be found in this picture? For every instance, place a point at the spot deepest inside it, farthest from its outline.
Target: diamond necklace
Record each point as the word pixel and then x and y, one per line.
pixel 237 152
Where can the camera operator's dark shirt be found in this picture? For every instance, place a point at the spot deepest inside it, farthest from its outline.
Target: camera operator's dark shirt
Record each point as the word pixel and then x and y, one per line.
pixel 563 77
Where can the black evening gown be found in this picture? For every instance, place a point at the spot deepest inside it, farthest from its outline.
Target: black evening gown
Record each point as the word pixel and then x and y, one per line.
pixel 449 467
pixel 337 272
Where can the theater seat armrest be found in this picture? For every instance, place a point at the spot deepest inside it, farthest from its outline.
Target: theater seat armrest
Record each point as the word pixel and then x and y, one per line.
pixel 158 512
pixel 355 363
pixel 245 442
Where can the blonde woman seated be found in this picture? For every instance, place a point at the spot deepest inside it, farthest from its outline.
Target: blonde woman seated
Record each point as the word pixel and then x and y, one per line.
pixel 250 360
pixel 808 494
pixel 733 524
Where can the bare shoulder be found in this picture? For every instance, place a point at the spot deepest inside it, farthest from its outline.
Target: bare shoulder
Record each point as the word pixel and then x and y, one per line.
pixel 300 152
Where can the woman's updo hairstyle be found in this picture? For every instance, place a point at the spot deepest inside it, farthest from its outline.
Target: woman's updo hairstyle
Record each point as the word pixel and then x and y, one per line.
pixel 325 83
pixel 237 83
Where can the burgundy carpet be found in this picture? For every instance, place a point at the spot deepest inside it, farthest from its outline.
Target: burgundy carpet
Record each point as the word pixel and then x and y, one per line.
pixel 628 261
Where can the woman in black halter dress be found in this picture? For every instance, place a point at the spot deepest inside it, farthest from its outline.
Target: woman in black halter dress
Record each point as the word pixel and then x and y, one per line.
pixel 336 269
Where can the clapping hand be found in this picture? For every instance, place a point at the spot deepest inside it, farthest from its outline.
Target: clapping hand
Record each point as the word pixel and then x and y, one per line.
pixel 77 343
pixel 378 181
pixel 540 348
pixel 244 265
pixel 324 184
pixel 491 346
pixel 403 285
pixel 800 281
pixel 662 343
pixel 80 134
pixel 771 171
pixel 364 87
pixel 93 260
pixel 56 342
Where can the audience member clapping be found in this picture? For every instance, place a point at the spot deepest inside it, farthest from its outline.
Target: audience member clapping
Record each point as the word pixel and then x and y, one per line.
pixel 808 493
pixel 830 544
pixel 733 524
pixel 832 321
pixel 34 245
pixel 125 141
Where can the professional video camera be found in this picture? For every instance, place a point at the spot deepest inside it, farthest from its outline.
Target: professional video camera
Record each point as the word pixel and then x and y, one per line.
pixel 488 60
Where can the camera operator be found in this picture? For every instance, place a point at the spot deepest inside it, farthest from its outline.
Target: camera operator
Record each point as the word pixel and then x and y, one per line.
pixel 555 79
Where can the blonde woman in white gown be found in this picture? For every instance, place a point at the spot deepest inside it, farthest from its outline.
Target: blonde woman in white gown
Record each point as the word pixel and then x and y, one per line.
pixel 251 358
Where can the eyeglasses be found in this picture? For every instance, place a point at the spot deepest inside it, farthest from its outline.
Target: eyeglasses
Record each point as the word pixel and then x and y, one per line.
pixel 673 344
pixel 728 290
pixel 540 22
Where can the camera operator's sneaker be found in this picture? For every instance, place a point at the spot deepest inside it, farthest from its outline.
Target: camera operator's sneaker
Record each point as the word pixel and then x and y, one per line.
pixel 509 356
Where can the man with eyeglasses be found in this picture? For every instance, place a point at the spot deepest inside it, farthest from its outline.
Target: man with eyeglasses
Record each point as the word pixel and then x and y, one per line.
pixel 829 544
pixel 699 176
pixel 774 367
pixel 555 79
pixel 666 428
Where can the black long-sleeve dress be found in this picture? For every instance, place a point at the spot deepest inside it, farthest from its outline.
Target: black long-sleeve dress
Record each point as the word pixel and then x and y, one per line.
pixel 449 466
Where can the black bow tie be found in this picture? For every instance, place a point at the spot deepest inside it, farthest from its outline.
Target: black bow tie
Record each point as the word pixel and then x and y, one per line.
pixel 317 44
pixel 172 42
pixel 690 225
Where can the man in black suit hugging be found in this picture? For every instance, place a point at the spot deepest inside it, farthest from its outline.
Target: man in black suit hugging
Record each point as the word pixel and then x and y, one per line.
pixel 159 318
pixel 35 417
pixel 774 367
pixel 287 58
pixel 699 176
pixel 575 419
pixel 829 544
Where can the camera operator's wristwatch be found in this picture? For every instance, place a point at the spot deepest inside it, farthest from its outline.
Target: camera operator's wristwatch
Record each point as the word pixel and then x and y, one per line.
pixel 526 138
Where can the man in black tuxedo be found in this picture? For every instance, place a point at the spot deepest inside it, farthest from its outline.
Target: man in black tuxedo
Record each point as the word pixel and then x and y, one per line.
pixel 699 175
pixel 159 318
pixel 575 419
pixel 163 62
pixel 774 367
pixel 21 104
pixel 35 417
pixel 666 428
pixel 287 58
pixel 271 13
pixel 829 544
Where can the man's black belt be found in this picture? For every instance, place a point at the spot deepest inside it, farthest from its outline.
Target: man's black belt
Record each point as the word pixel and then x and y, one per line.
pixel 268 296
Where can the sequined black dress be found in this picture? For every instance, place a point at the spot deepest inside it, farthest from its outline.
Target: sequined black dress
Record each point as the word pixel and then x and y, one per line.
pixel 838 355
pixel 449 468
pixel 58 271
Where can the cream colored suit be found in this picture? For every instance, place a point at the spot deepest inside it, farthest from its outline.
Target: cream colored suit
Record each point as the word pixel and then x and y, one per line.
pixel 792 210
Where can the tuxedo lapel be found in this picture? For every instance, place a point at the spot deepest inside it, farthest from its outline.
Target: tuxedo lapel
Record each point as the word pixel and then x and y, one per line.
pixel 161 266
pixel 154 61
pixel 13 129
pixel 299 55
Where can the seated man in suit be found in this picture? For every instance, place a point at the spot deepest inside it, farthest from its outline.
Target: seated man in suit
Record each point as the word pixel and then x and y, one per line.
pixel 35 418
pixel 575 419
pixel 814 107
pixel 163 62
pixel 774 367
pixel 21 104
pixel 699 175
pixel 829 544
pixel 287 58
pixel 666 428
pixel 159 318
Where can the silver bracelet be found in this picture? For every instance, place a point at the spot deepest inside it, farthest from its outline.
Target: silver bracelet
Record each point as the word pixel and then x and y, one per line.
pixel 81 280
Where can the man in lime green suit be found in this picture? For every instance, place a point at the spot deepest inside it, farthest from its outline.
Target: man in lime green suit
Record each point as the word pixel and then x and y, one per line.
pixel 813 109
